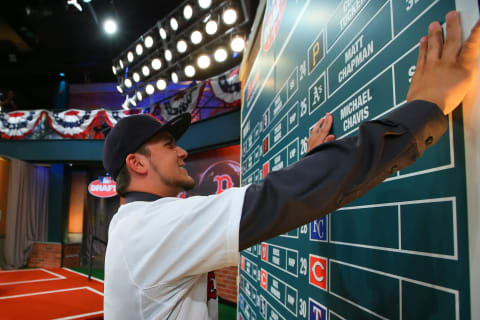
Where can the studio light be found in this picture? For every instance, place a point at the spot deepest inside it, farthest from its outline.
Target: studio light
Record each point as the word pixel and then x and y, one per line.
pixel 168 55
pixel 149 89
pixel 174 24
pixel 128 83
pixel 119 89
pixel 136 77
pixel 114 70
pixel 188 12
pixel 204 4
pixel 110 26
pixel 181 46
pixel 148 42
pixel 156 64
pixel 161 84
pixel 220 55
pixel 174 77
pixel 139 96
pixel 237 44
pixel 229 16
pixel 121 64
pixel 203 61
pixel 163 33
pixel 139 49
pixel 211 27
pixel 196 37
pixel 133 102
pixel 130 56
pixel 145 71
pixel 189 71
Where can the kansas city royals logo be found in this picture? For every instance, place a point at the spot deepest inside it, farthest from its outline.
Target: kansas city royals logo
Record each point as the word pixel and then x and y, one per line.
pixel 316 310
pixel 318 271
pixel 318 229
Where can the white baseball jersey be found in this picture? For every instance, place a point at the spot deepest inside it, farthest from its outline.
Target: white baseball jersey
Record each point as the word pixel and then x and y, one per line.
pixel 159 255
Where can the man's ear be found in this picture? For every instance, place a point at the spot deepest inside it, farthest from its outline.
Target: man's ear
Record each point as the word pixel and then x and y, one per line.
pixel 137 163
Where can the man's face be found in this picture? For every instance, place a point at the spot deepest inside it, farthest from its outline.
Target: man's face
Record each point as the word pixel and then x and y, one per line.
pixel 167 161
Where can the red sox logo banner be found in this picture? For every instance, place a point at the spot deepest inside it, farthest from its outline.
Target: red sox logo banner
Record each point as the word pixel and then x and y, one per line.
pixel 18 124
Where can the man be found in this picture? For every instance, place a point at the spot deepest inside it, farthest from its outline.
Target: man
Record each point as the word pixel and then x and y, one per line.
pixel 161 248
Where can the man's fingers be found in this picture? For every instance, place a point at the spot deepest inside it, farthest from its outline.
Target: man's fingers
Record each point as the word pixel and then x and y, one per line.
pixel 470 50
pixel 317 126
pixel 453 39
pixel 329 138
pixel 422 54
pixel 435 41
pixel 327 124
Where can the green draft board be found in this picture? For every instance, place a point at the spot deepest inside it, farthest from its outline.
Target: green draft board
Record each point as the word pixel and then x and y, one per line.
pixel 400 251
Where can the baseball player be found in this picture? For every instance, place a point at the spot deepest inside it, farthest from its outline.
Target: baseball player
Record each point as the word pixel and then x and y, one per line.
pixel 162 249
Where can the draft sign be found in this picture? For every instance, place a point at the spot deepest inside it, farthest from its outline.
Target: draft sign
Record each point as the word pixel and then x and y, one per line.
pixel 103 187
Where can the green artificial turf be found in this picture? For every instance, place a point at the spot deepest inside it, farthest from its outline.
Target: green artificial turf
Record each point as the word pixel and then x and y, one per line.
pixel 96 273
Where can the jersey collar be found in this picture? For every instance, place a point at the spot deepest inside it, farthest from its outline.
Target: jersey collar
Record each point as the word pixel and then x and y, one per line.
pixel 141 196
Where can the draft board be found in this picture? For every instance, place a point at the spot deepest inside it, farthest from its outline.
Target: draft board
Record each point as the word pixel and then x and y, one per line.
pixel 400 251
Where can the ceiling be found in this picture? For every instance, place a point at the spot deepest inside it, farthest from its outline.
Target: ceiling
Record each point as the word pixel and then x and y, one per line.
pixel 41 38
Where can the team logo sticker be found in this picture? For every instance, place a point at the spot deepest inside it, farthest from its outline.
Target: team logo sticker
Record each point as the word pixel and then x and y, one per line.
pixel 318 229
pixel 318 271
pixel 263 279
pixel 263 307
pixel 266 169
pixel 316 310
pixel 264 252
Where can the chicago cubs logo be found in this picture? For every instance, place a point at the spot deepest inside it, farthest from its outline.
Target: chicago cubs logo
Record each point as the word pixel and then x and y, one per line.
pixel 272 23
pixel 224 182
pixel 263 279
pixel 316 310
pixel 318 272
pixel 264 252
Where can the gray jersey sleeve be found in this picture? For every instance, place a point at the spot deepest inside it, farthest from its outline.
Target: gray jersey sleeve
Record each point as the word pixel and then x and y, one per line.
pixel 335 173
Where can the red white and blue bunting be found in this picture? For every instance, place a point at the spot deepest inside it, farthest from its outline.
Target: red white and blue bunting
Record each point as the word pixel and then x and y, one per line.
pixel 183 102
pixel 18 124
pixel 112 117
pixel 226 86
pixel 74 122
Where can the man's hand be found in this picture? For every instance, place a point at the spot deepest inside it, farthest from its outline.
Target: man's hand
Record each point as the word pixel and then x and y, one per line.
pixel 319 133
pixel 445 70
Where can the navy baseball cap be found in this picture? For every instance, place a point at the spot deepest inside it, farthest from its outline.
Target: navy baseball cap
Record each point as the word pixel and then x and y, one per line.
pixel 131 132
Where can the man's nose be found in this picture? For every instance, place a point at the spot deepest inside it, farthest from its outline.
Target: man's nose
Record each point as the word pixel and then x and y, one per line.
pixel 181 153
